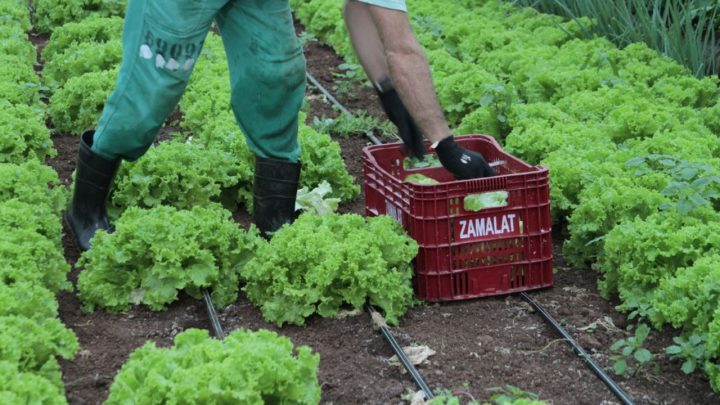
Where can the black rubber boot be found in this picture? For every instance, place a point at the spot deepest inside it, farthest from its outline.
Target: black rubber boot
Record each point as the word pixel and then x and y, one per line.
pixel 275 190
pixel 93 178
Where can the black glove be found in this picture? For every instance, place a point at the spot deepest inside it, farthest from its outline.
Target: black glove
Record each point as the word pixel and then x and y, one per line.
pixel 462 163
pixel 398 114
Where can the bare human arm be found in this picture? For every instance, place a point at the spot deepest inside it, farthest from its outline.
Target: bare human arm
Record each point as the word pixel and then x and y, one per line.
pixel 394 60
pixel 387 48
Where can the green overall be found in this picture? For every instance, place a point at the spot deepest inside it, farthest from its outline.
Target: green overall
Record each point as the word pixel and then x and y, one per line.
pixel 162 39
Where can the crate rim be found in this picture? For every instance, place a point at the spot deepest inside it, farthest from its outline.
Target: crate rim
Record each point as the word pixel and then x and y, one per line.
pixel 374 164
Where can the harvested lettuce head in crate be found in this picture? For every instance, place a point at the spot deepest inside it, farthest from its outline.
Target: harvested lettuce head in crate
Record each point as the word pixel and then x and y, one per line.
pixel 477 202
pixel 418 178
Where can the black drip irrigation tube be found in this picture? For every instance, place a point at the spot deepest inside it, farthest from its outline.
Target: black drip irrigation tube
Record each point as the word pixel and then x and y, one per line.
pixel 609 382
pixel 212 314
pixel 414 373
pixel 612 385
pixel 337 104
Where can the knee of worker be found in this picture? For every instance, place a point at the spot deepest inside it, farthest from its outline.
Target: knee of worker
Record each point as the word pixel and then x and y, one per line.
pixel 271 138
pixel 270 90
pixel 133 117
pixel 129 140
pixel 266 103
pixel 275 76
pixel 268 151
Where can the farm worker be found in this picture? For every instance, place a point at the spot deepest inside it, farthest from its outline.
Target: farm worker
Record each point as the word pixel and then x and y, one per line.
pixel 394 61
pixel 162 40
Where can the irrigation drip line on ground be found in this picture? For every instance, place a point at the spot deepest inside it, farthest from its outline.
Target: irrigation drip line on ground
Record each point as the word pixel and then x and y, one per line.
pixel 612 385
pixel 337 104
pixel 212 314
pixel 404 360
pixel 414 373
pixel 609 382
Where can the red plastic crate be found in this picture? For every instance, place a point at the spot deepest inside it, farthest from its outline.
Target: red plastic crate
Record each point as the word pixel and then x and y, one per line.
pixel 466 254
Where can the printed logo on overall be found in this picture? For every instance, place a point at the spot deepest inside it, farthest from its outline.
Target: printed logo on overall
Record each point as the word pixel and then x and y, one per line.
pixel 169 55
pixel 479 228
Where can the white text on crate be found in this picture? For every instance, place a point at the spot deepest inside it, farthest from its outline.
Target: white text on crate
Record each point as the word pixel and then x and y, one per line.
pixel 496 225
pixel 393 211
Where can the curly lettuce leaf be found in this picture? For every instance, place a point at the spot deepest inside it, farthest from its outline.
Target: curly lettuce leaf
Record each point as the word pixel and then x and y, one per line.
pixel 156 253
pixel 321 263
pixel 245 367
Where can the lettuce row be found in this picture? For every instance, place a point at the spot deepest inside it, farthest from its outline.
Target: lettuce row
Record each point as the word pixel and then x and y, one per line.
pixel 32 266
pixel 33 345
pixel 76 106
pixel 16 214
pixel 27 300
pixel 206 176
pixel 82 59
pixel 16 14
pixel 639 253
pixel 50 14
pixel 637 181
pixel 26 255
pixel 32 335
pixel 15 70
pixel 31 196
pixel 90 30
pixel 664 268
pixel 86 46
pixel 23 135
pixel 20 387
pixel 246 367
pixel 156 253
pixel 14 42
pixel 33 183
pixel 319 264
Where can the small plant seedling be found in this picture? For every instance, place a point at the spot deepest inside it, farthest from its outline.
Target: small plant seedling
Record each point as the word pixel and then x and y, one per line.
pixel 509 394
pixel 691 349
pixel 631 351
pixel 345 126
pixel 350 78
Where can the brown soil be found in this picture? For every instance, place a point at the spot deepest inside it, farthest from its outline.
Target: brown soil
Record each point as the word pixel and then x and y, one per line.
pixel 39 40
pixel 64 163
pixel 323 64
pixel 480 344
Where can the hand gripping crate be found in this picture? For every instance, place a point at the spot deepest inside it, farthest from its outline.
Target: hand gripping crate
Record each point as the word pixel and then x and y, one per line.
pixel 467 253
